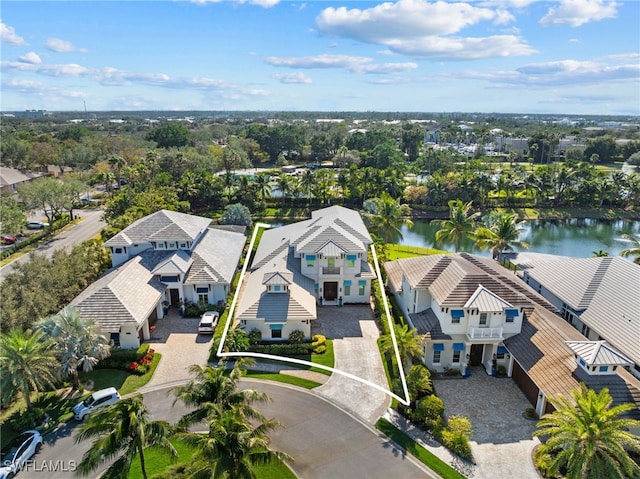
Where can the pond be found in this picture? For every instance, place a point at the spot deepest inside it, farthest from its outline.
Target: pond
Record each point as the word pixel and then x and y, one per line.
pixel 571 237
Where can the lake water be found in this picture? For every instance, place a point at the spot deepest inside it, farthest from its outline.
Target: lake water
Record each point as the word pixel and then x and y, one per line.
pixel 574 237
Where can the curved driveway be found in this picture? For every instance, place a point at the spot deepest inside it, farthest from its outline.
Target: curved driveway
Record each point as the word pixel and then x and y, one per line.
pixel 326 442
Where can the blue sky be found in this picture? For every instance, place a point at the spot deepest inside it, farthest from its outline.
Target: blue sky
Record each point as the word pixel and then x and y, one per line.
pixel 508 56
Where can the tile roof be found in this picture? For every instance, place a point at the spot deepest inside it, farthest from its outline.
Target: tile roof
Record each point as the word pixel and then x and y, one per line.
pixel 124 295
pixel 454 279
pixel 163 225
pixel 179 259
pixel 11 176
pixel 606 288
pixel 215 257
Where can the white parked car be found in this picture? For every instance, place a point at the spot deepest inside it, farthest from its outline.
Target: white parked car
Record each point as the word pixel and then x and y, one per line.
pixel 18 452
pixel 102 398
pixel 208 322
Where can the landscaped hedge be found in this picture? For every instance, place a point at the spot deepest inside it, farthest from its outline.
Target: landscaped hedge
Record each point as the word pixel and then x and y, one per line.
pixel 283 349
pixel 122 358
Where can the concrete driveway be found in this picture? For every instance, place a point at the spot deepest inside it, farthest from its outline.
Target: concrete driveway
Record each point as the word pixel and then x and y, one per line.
pixel 354 333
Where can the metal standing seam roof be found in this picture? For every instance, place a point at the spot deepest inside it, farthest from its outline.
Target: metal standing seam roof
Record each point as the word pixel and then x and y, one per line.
pixel 596 353
pixel 608 289
pixel 298 302
pixel 485 301
pixel 160 226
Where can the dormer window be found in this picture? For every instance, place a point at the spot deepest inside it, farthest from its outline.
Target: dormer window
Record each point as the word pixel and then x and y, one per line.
pixel 277 288
pixel 597 357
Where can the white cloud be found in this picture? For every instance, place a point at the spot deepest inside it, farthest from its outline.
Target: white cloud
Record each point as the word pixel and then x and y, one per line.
pixel 296 77
pixel 31 57
pixel 566 72
pixel 8 35
pixel 355 64
pixel 458 48
pixel 40 89
pixel 579 12
pixel 424 29
pixel 62 46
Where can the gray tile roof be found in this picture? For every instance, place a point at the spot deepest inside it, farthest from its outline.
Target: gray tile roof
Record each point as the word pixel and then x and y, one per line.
pixel 163 225
pixel 215 257
pixel 179 258
pixel 124 295
pixel 607 289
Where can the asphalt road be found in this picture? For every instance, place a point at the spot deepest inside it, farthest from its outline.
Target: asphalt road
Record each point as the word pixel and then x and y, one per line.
pixel 326 442
pixel 90 226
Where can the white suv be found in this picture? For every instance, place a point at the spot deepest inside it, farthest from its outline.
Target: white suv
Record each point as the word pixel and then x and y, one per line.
pixel 208 322
pixel 102 398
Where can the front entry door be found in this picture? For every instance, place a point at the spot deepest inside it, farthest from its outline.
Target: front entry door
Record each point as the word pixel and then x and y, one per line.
pixel 331 291
pixel 475 357
pixel 175 296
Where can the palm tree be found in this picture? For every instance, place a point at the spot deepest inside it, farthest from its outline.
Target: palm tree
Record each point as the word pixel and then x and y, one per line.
pixel 589 439
pixel 634 250
pixel 27 364
pixel 232 447
pixel 460 224
pixel 386 216
pixel 283 183
pixel 409 345
pixel 600 253
pixel 123 429
pixel 216 387
pixel 307 184
pixel 117 163
pixel 78 341
pixel 502 235
pixel 263 188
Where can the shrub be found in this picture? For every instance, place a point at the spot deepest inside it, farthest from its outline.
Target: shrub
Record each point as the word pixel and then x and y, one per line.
pixel 255 336
pixel 461 425
pixel 431 407
pixel 318 340
pixel 283 349
pixel 320 349
pixel 457 443
pixel 27 419
pixel 296 336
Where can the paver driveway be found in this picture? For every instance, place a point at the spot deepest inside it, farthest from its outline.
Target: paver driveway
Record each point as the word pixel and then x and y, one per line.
pixel 354 333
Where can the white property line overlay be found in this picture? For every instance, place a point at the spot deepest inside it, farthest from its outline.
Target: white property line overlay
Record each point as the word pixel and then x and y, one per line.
pixel 222 354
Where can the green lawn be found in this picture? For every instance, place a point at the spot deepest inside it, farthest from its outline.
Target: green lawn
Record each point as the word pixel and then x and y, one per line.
pixel 157 461
pixel 423 455
pixel 283 378
pixel 123 381
pixel 396 251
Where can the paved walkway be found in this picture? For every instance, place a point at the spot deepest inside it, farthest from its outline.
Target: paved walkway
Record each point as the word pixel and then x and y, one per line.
pixel 354 333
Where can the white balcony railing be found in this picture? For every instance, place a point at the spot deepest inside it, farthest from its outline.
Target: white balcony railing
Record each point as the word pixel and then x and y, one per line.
pixel 331 271
pixel 484 333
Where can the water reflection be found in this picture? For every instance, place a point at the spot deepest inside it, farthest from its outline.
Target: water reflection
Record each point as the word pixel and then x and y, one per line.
pixel 572 237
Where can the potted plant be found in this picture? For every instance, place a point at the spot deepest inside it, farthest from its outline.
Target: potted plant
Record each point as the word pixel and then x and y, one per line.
pixel 165 307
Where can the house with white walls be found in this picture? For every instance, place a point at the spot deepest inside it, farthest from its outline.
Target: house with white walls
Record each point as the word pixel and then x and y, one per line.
pixel 464 306
pixel 164 259
pixel 304 265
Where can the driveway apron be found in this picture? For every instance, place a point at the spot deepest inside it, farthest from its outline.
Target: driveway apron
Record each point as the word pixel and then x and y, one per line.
pixel 354 334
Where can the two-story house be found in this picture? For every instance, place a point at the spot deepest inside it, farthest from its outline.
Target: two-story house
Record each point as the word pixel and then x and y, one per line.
pixel 464 307
pixel 317 262
pixel 166 258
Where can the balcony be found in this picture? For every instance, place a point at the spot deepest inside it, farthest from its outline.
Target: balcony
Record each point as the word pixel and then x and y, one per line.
pixel 485 333
pixel 331 271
